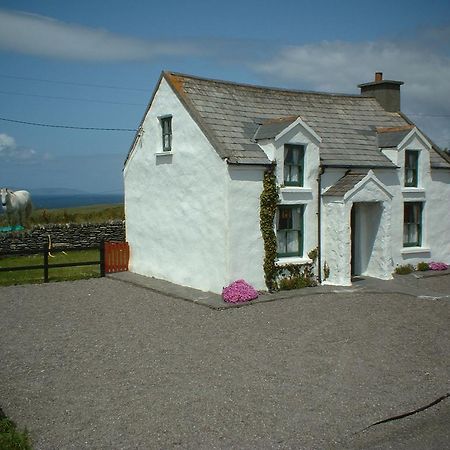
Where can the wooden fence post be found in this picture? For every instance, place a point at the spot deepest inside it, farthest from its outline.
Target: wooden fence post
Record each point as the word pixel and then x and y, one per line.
pixel 46 251
pixel 102 258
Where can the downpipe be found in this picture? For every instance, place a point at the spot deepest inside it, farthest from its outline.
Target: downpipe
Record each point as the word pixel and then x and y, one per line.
pixel 319 222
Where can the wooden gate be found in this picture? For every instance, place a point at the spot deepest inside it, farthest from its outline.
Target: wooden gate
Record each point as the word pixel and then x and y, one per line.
pixel 116 256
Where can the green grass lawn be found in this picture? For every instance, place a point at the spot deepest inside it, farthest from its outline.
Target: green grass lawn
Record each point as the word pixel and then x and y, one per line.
pixel 80 214
pixel 55 274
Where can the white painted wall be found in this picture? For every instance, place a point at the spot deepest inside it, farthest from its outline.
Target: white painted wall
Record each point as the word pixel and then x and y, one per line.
pixel 434 191
pixel 246 255
pixel 438 216
pixel 176 204
pixel 336 242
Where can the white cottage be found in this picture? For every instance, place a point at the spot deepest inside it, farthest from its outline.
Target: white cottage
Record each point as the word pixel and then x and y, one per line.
pixel 357 180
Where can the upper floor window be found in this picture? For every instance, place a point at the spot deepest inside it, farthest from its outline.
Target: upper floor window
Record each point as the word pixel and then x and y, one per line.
pixel 411 168
pixel 412 224
pixel 166 126
pixel 290 230
pixel 294 156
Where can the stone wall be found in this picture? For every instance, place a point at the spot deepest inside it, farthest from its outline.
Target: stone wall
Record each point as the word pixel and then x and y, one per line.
pixel 69 235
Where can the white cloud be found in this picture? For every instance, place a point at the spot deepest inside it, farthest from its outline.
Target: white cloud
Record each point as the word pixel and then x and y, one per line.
pixel 340 66
pixel 6 144
pixel 10 151
pixel 38 35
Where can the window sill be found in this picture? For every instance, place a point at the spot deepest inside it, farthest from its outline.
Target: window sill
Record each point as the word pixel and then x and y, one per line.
pixel 285 260
pixel 413 190
pixel 295 189
pixel 413 250
pixel 164 153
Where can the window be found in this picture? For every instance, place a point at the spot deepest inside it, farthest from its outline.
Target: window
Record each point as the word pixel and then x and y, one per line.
pixel 294 156
pixel 290 230
pixel 412 224
pixel 166 126
pixel 411 168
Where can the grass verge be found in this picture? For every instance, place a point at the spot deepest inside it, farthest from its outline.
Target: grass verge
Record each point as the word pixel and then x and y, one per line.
pixel 55 274
pixel 10 437
pixel 79 214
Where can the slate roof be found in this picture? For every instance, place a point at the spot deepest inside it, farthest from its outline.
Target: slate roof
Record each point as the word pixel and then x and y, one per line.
pixel 232 115
pixel 438 159
pixel 346 183
pixel 391 137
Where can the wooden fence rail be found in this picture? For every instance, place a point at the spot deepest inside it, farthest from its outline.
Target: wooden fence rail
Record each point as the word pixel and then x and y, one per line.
pixel 113 257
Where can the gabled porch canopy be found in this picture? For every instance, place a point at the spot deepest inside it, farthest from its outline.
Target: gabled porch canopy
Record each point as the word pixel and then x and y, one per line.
pixel 357 228
pixel 359 186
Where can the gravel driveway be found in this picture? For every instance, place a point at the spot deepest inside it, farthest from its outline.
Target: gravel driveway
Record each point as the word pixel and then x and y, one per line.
pixel 101 364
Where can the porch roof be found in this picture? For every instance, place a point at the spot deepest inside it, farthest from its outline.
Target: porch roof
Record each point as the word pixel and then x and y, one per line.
pixel 346 183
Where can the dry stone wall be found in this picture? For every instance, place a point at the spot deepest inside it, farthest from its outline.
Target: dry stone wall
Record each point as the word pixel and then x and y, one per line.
pixel 69 235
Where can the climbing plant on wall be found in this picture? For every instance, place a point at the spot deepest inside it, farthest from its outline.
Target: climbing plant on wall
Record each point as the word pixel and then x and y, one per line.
pixel 268 208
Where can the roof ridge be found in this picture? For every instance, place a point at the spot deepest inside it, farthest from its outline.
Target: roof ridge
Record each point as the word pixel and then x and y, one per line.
pixel 263 88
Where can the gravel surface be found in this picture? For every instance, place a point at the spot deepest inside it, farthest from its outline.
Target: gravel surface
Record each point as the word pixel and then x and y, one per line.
pixel 101 364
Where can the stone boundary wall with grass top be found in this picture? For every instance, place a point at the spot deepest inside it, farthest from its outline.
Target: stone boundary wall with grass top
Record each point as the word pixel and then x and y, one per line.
pixel 71 235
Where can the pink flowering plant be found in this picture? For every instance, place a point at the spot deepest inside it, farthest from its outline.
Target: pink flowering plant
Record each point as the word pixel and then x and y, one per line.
pixel 239 292
pixel 438 266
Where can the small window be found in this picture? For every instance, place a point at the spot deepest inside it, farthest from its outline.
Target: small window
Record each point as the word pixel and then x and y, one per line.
pixel 412 224
pixel 411 168
pixel 290 230
pixel 166 126
pixel 294 156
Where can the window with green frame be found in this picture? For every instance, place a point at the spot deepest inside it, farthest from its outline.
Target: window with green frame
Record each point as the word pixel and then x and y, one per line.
pixel 166 126
pixel 411 168
pixel 294 157
pixel 290 230
pixel 412 224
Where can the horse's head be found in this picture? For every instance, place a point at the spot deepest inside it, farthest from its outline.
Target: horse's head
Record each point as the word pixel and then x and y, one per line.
pixel 4 196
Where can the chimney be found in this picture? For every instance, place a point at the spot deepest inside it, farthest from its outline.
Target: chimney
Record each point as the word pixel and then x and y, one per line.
pixel 386 92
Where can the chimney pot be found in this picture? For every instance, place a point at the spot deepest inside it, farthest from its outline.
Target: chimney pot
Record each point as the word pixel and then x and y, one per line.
pixel 387 92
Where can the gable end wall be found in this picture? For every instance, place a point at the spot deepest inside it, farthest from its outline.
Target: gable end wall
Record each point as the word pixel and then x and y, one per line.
pixel 175 205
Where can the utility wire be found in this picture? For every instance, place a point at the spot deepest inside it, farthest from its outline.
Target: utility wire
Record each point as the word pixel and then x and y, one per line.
pixel 70 98
pixel 427 115
pixel 72 83
pixel 66 126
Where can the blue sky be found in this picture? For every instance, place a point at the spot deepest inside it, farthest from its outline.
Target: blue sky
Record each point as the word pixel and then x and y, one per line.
pixel 95 63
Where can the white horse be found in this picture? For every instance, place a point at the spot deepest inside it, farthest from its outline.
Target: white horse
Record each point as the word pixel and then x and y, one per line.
pixel 17 205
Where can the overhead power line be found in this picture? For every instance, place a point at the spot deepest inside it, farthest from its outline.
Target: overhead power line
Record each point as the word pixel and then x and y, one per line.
pixel 105 86
pixel 70 98
pixel 427 115
pixel 73 83
pixel 23 122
